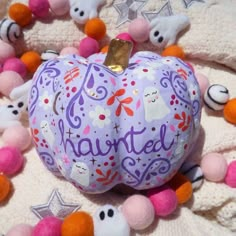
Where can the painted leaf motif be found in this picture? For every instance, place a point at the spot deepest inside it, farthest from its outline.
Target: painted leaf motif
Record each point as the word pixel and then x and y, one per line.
pixel 111 100
pixel 113 81
pixel 101 179
pixel 98 171
pixel 177 117
pixel 129 111
pixel 108 173
pixel 86 130
pixel 118 110
pixel 119 92
pixel 127 100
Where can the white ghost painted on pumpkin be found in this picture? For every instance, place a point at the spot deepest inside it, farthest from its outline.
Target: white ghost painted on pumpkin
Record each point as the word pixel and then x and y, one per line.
pixel 80 173
pixel 47 133
pixel 154 105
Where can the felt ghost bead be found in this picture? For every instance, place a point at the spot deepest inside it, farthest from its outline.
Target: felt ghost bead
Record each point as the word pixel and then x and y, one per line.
pixel 216 97
pixel 48 55
pixel 83 10
pixel 108 220
pixel 9 30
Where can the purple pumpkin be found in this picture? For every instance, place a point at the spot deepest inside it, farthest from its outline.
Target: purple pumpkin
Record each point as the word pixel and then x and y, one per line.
pixel 98 128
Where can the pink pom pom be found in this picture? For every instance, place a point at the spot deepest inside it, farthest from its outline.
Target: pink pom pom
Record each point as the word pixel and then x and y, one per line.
pixel 69 50
pixel 47 227
pixel 17 136
pixel 125 36
pixel 11 160
pixel 88 46
pixel 214 167
pixel 164 200
pixel 139 30
pixel 203 82
pixel 20 230
pixel 15 64
pixel 230 178
pixel 7 51
pixel 40 8
pixel 1 68
pixel 138 211
pixel 8 81
pixel 59 7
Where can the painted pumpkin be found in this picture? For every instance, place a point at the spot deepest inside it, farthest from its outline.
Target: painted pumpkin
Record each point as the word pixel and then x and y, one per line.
pixel 98 128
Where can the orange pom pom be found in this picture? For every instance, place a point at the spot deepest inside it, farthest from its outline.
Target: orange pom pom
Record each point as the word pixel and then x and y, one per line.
pixel 78 224
pixel 5 188
pixel 95 28
pixel 20 13
pixel 182 187
pixel 230 111
pixel 174 51
pixel 32 60
pixel 105 49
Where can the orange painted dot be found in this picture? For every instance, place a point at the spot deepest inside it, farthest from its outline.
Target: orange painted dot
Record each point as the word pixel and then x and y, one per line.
pixel 95 28
pixel 174 51
pixel 182 187
pixel 32 60
pixel 230 111
pixel 20 13
pixel 5 188
pixel 78 224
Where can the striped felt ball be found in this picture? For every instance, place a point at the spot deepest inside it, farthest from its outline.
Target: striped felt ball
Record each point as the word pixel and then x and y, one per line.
pixel 193 172
pixel 216 97
pixel 9 30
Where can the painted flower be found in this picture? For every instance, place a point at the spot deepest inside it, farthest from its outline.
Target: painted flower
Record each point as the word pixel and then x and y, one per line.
pixel 142 72
pixel 46 101
pixel 100 116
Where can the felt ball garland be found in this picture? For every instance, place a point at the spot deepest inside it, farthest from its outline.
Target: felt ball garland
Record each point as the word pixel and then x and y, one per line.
pixel 159 202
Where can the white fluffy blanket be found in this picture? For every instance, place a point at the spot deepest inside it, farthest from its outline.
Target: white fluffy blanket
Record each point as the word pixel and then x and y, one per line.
pixel 211 38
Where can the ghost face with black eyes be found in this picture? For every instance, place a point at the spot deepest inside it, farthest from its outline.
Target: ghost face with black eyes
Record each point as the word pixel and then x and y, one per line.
pixel 83 10
pixel 164 30
pixel 80 173
pixel 109 221
pixel 154 104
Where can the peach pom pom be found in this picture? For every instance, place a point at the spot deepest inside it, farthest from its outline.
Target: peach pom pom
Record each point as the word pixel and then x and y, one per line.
pixel 20 230
pixel 17 136
pixel 139 30
pixel 7 51
pixel 95 28
pixel 59 7
pixel 138 211
pixel 78 224
pixel 174 51
pixel 214 167
pixel 69 50
pixel 8 81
